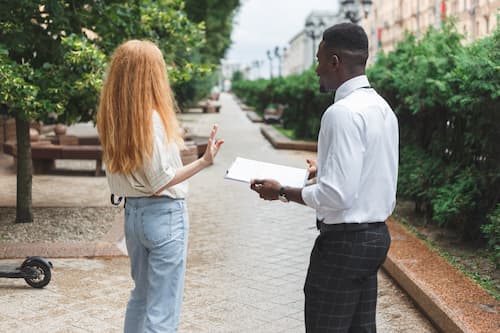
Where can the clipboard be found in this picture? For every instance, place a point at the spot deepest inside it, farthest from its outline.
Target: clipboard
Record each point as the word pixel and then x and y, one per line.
pixel 243 170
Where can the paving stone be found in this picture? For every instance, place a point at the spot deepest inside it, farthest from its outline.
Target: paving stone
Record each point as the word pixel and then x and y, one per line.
pixel 247 259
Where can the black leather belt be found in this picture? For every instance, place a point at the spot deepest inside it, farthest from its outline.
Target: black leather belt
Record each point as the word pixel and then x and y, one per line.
pixel 323 227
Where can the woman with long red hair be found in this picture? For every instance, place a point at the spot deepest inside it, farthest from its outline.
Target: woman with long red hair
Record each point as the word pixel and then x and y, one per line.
pixel 140 138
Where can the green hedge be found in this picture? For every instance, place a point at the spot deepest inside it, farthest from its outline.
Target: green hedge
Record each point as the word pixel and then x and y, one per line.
pixel 446 97
pixel 299 93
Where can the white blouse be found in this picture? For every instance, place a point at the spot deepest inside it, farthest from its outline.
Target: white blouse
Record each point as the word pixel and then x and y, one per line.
pixel 155 174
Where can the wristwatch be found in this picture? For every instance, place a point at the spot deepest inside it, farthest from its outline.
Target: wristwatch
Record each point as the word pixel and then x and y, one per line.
pixel 282 195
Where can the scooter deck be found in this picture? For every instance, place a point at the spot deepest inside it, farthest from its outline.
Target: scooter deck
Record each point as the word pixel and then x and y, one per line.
pixel 9 269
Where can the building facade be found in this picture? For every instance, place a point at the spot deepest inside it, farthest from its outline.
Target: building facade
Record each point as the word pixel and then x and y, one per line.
pixel 389 19
pixel 301 51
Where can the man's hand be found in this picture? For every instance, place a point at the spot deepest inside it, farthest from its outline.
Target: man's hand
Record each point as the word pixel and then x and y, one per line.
pixel 268 189
pixel 313 167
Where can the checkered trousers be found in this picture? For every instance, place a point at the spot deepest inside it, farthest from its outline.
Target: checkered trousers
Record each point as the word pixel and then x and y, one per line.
pixel 341 283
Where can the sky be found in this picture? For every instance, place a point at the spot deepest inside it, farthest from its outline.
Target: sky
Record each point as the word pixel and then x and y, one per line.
pixel 261 25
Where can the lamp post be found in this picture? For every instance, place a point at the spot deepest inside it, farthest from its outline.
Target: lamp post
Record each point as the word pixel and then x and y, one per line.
pixel 270 57
pixel 351 9
pixel 314 29
pixel 279 56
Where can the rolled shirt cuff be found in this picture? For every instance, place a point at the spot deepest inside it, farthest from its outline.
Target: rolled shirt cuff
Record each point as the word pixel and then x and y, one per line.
pixel 161 178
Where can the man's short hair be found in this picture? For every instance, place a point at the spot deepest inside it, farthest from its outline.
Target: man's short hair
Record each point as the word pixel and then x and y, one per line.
pixel 349 41
pixel 346 36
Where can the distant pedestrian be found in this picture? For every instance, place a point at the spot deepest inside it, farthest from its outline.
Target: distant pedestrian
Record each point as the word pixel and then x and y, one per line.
pixel 355 189
pixel 140 138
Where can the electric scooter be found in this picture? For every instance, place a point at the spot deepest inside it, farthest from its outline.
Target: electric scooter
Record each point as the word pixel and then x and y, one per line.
pixel 34 270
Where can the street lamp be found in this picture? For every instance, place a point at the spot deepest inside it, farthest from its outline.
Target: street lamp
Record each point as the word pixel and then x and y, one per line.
pixel 269 56
pixel 279 56
pixel 314 29
pixel 351 9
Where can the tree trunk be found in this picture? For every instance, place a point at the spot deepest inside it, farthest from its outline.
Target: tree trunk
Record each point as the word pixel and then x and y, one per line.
pixel 24 212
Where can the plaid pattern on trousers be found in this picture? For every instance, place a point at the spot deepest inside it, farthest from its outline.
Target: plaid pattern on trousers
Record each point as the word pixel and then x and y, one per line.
pixel 341 284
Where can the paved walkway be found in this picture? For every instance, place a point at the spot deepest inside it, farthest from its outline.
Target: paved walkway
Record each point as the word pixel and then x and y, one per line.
pixel 246 264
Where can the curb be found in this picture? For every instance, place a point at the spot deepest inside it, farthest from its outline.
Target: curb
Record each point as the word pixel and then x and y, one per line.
pixel 452 301
pixel 254 117
pixel 279 141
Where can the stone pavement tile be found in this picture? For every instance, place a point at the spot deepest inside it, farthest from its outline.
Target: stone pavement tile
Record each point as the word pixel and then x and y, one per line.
pixel 288 325
pixel 83 296
pixel 52 190
pixel 106 249
pixel 247 259
pixel 14 325
pixel 22 250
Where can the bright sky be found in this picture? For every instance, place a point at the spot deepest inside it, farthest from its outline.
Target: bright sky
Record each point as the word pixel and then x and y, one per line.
pixel 262 25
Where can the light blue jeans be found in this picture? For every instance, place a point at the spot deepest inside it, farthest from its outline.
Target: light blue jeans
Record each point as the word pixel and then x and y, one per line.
pixel 156 232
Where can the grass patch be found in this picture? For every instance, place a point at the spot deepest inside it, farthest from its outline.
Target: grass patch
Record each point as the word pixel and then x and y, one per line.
pixel 289 133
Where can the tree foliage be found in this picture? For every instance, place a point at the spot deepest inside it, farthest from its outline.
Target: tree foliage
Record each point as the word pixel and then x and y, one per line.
pixel 218 16
pixel 53 56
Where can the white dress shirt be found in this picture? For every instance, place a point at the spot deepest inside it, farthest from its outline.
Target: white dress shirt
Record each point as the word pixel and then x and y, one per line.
pixel 357 158
pixel 155 174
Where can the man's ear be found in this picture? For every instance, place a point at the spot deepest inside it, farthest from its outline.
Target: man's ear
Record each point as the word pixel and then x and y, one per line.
pixel 335 61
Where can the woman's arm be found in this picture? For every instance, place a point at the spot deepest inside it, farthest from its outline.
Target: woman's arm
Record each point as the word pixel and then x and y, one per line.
pixel 193 168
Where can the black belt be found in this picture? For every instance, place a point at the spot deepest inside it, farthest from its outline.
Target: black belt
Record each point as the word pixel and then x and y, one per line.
pixel 324 227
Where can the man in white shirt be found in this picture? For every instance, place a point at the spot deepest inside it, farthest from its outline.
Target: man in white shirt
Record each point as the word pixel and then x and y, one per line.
pixel 355 189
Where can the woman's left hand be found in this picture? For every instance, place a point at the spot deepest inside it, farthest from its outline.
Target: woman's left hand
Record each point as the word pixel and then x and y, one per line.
pixel 213 146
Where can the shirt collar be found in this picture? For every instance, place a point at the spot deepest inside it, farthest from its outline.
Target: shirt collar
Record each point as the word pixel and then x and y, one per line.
pixel 350 85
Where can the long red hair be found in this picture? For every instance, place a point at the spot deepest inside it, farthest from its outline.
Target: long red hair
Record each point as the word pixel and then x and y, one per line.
pixel 136 85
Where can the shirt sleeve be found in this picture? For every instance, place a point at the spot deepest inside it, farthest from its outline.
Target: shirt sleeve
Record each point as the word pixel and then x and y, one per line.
pixel 342 141
pixel 158 172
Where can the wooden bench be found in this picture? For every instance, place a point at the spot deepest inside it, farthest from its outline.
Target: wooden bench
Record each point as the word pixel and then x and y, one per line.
pixel 210 106
pixel 274 116
pixel 44 154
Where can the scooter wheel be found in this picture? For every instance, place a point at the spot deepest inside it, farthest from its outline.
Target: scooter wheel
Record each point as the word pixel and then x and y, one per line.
pixel 42 270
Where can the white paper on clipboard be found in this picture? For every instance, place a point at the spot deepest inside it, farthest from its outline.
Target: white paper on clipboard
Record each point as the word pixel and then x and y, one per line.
pixel 244 170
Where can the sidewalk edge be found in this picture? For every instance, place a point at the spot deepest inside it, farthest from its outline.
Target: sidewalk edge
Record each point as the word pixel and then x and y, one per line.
pixel 279 141
pixel 451 300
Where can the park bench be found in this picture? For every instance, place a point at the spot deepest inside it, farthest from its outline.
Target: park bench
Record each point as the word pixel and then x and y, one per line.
pixel 44 154
pixel 272 115
pixel 210 106
pixel 70 147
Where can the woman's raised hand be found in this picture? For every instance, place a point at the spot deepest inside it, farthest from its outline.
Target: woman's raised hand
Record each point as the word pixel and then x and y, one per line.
pixel 213 146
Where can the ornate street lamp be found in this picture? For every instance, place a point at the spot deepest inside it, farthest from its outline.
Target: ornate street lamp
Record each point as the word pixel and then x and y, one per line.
pixel 314 30
pixel 351 9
